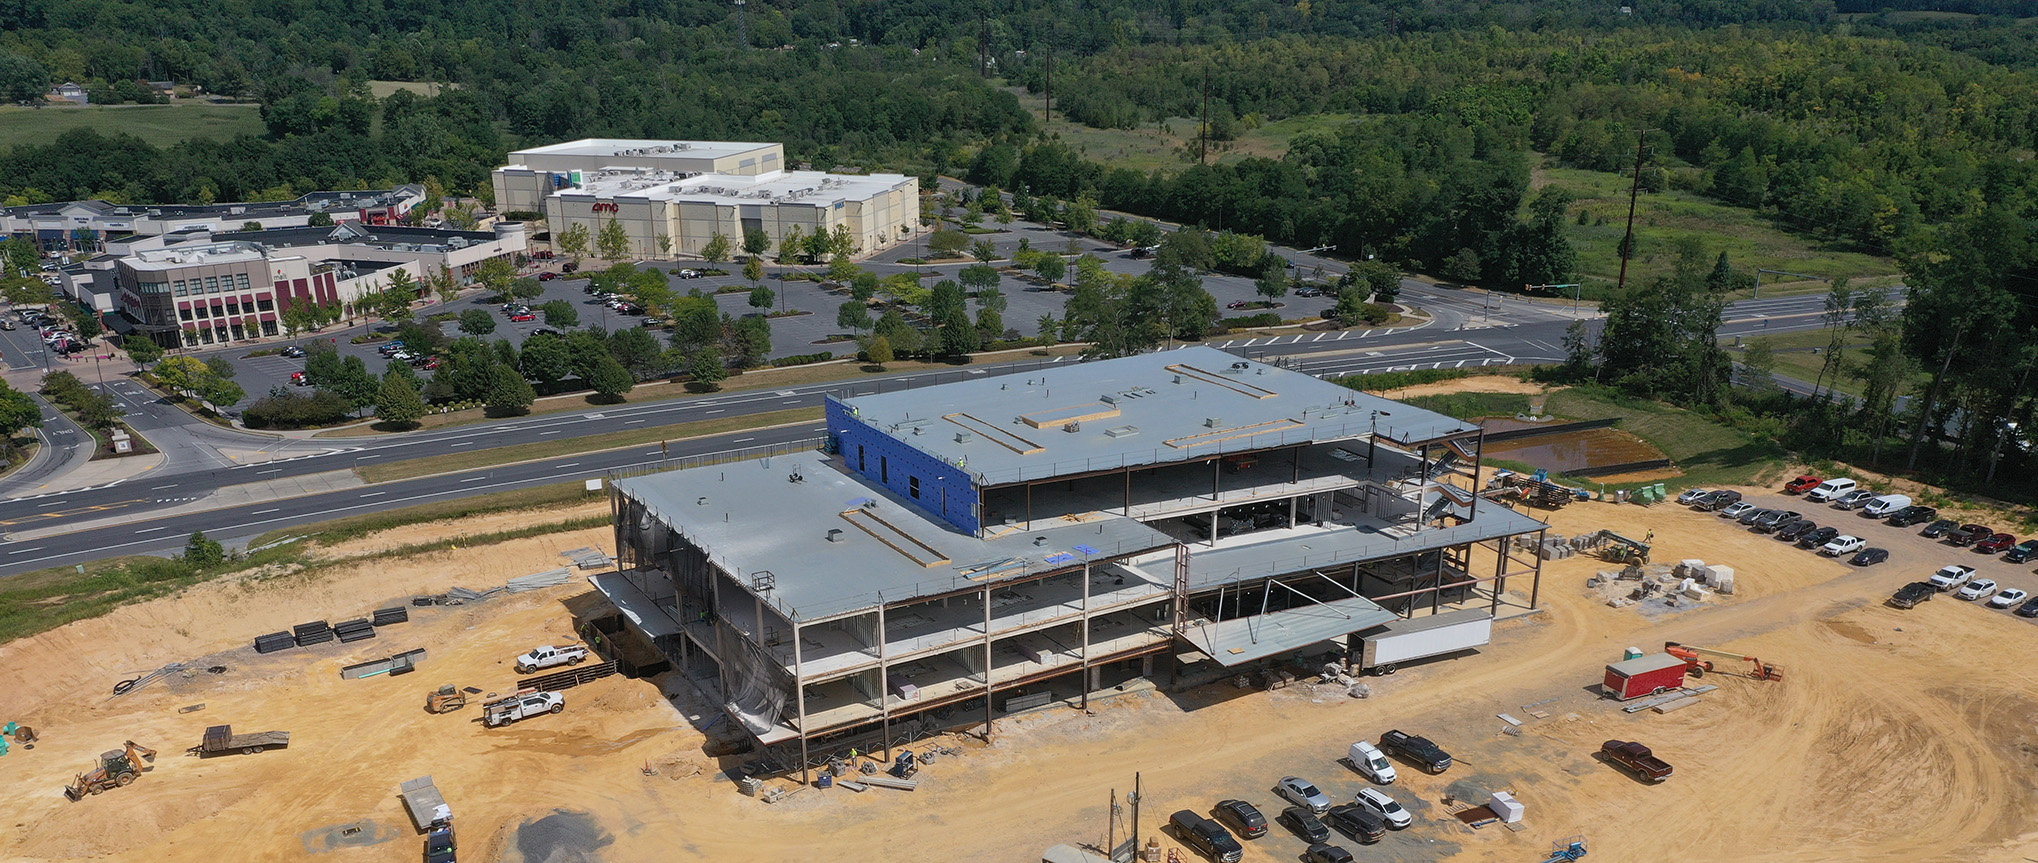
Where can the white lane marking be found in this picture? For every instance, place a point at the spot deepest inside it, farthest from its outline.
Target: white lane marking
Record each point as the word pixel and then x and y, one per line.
pixel 631 422
pixel 22 550
pixel 742 439
pixel 360 457
pixel 554 431
pixel 161 487
pixel 464 443
pixel 149 530
pixel 262 511
pixel 271 470
pixel 715 411
pixel 568 464
pixel 375 494
pixel 475 478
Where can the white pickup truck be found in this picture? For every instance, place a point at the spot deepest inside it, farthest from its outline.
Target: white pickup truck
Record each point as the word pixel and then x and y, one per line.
pixel 522 705
pixel 548 656
pixel 1951 577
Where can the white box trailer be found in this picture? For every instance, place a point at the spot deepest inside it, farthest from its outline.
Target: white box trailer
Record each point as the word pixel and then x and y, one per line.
pixel 1383 648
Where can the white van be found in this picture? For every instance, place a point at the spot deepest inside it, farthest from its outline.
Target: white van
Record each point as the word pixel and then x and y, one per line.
pixel 1831 489
pixel 1371 764
pixel 1886 504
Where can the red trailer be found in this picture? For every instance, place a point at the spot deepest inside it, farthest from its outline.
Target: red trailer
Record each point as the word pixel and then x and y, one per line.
pixel 1647 675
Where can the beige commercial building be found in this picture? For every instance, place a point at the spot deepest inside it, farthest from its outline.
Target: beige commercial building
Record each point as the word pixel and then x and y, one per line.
pixel 672 197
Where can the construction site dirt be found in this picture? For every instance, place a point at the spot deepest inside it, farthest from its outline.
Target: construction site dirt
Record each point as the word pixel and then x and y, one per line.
pixel 1882 710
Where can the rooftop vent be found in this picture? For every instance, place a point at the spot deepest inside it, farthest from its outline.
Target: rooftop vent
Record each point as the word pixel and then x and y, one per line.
pixel 1040 540
pixel 1108 399
pixel 1178 379
pixel 702 502
pixel 1121 431
pixel 835 534
pixel 964 437
pixel 1213 422
pixel 1072 428
pixel 1240 365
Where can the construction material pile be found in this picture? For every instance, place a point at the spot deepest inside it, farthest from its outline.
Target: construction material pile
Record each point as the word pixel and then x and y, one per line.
pixel 1556 546
pixel 1661 587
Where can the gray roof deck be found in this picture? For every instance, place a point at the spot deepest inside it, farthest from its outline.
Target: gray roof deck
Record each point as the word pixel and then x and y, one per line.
pixel 1302 548
pixel 1147 409
pixel 750 518
pixel 1246 639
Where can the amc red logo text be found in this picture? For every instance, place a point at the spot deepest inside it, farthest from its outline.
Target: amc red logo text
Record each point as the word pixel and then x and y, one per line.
pixel 605 207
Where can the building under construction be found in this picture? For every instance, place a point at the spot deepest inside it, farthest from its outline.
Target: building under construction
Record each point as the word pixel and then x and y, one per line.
pixel 1000 542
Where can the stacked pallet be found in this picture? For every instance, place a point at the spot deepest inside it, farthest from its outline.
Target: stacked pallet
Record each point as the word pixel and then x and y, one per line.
pixel 274 641
pixel 315 632
pixel 354 630
pixel 394 614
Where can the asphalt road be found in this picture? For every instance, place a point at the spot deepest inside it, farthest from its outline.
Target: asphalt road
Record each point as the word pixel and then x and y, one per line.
pixel 1322 354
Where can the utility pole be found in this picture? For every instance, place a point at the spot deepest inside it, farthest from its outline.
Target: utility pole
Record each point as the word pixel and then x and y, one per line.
pixel 1136 795
pixel 1627 243
pixel 1050 81
pixel 1203 136
pixel 983 45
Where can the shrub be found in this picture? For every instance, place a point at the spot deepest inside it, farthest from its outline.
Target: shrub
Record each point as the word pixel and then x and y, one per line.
pixel 1246 322
pixel 803 359
pixel 288 410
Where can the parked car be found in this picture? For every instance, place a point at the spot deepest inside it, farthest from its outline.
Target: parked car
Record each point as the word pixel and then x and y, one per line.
pixel 1773 519
pixel 1416 749
pixel 687 274
pixel 1885 505
pixel 1911 594
pixel 1302 792
pixel 1207 836
pixel 2029 608
pixel 1817 537
pixel 1843 544
pixel 1911 515
pixel 629 309
pixel 2022 552
pixel 1869 557
pixel 1748 517
pixel 1366 758
pixel 1831 489
pixel 299 379
pixel 1802 484
pixel 1325 853
pixel 1718 500
pixel 1854 499
pixel 548 331
pixel 1692 495
pixel 1995 544
pixel 547 276
pixel 1304 823
pixel 1980 588
pixel 1385 807
pixel 1969 534
pixel 1790 532
pixel 294 352
pixel 548 656
pixel 2008 596
pixel 522 317
pixel 1243 817
pixel 1939 528
pixel 1950 577
pixel 1357 822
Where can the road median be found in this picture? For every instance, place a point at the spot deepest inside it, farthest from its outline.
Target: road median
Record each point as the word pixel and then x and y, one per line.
pixel 542 450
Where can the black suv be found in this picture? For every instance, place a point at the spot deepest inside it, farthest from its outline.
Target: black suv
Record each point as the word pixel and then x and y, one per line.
pixel 1243 817
pixel 1790 532
pixel 1304 823
pixel 1417 749
pixel 1357 822
pixel 1817 537
pixel 1207 836
pixel 2022 551
pixel 1911 594
pixel 1939 528
pixel 1911 515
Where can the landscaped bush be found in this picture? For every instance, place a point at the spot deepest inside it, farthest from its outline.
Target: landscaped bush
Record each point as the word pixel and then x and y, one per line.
pixel 1247 322
pixel 803 359
pixel 290 410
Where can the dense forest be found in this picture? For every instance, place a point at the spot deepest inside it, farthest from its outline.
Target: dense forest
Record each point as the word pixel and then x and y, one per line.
pixel 1902 128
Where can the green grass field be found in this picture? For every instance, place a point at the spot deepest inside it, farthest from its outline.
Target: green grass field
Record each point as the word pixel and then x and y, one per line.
pixel 1664 218
pixel 161 125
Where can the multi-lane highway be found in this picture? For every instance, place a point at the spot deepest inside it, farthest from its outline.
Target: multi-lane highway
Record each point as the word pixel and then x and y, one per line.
pixel 154 514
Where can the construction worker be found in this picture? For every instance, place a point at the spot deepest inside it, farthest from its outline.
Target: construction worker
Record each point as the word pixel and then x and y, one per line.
pixel 1650 537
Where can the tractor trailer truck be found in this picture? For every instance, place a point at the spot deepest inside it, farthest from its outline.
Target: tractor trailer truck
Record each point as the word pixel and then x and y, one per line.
pixel 1384 648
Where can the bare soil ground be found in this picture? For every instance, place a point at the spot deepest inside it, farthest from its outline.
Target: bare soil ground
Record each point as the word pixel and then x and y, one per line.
pixel 1897 736
pixel 1474 384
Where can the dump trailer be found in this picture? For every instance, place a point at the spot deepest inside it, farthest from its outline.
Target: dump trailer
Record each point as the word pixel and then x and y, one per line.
pixel 221 739
pixel 1647 675
pixel 427 807
pixel 1382 649
pixel 116 769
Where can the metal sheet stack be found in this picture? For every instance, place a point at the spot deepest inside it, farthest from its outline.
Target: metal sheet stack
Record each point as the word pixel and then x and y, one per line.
pixel 274 641
pixel 354 630
pixel 393 614
pixel 315 632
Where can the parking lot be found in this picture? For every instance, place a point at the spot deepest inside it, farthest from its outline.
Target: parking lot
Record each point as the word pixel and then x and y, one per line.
pixel 1914 556
pixel 791 334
